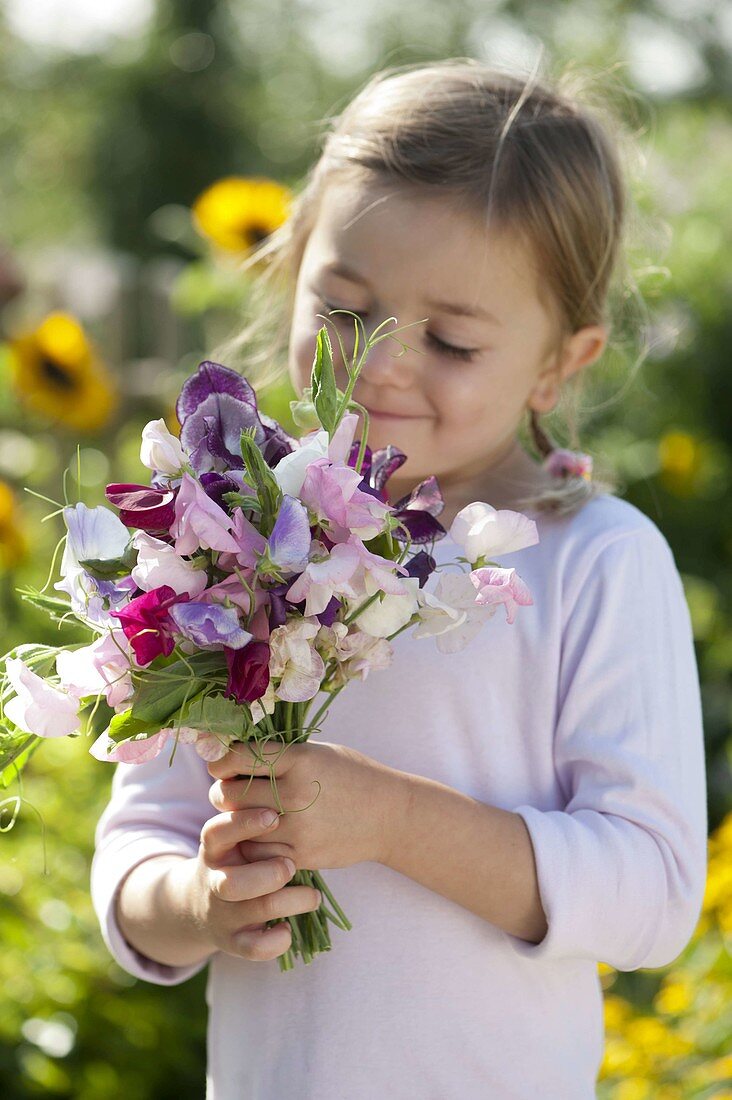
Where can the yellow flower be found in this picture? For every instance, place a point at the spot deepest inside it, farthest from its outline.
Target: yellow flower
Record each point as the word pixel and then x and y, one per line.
pixel 674 997
pixel 680 457
pixel 57 373
pixel 237 212
pixel 13 543
pixel 617 1011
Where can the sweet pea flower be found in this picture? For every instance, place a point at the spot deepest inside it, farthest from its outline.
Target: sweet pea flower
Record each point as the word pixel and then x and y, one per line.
pixel 147 624
pixel 104 666
pixel 149 507
pixel 451 613
pixel 139 750
pixel 160 450
pixel 200 522
pixel 343 573
pixel 290 471
pixel 331 492
pixel 356 652
pixel 295 661
pixel 209 625
pixel 92 534
pixel 159 564
pixel 248 672
pixel 264 705
pixel 485 532
pixel 230 589
pixel 384 617
pixel 38 707
pixel 496 586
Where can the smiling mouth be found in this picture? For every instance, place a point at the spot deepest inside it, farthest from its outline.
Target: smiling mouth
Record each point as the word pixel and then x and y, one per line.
pixel 378 415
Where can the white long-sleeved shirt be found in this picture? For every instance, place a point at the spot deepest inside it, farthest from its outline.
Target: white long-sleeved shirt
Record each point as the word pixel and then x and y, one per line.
pixel 584 717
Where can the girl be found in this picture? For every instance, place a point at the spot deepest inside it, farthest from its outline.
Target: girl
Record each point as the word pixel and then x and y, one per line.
pixel 494 822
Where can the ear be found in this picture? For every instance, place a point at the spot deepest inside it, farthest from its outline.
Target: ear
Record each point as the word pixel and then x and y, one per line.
pixel 577 351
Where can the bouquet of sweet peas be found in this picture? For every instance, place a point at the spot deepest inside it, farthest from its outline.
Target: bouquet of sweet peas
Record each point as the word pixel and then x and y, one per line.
pixel 255 573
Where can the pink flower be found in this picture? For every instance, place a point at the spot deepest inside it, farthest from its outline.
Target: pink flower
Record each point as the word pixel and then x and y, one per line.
pixel 496 586
pixel 103 666
pixel 158 564
pixel 331 492
pixel 199 521
pixel 349 570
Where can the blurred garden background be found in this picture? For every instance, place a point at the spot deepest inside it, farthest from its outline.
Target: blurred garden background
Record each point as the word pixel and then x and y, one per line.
pixel 145 146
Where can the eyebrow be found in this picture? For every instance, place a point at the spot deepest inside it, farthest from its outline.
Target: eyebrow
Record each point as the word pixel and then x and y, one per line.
pixel 453 308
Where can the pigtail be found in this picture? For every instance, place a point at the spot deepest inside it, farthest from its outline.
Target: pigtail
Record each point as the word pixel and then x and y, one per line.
pixel 572 483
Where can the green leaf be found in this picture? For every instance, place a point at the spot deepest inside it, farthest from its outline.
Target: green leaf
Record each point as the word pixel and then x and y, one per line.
pixel 162 693
pixel 262 479
pixel 322 381
pixel 106 569
pixel 215 714
pixel 16 749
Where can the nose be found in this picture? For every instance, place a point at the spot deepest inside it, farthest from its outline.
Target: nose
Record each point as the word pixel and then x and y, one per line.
pixel 387 364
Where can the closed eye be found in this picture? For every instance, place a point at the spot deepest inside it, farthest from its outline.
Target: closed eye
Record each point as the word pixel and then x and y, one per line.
pixel 466 354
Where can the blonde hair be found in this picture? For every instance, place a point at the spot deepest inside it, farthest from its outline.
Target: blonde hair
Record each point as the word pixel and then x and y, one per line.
pixel 532 157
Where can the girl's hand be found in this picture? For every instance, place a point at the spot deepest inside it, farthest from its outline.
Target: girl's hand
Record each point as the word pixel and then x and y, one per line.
pixel 232 899
pixel 351 815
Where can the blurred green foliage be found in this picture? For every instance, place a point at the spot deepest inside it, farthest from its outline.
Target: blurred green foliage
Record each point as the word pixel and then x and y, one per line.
pixel 110 148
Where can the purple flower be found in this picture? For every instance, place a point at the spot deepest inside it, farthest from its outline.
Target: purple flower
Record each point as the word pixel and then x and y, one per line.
pixel 214 406
pixel 418 509
pixel 209 625
pixel 143 506
pixel 248 672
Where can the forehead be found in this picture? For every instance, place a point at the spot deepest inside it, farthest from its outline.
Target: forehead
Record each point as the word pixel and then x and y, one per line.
pixel 391 231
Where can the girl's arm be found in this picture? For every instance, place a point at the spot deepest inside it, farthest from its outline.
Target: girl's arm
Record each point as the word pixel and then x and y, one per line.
pixel 620 871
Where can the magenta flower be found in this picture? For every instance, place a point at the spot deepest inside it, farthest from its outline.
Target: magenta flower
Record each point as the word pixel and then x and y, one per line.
pixel 150 509
pixel 248 672
pixel 199 522
pixel 496 586
pixel 147 624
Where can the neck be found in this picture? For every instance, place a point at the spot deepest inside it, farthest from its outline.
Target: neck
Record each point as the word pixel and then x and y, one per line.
pixel 500 481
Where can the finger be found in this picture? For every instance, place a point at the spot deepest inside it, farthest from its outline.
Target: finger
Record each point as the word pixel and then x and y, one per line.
pixel 251 880
pixel 263 946
pixel 249 758
pixel 222 833
pixel 284 903
pixel 240 794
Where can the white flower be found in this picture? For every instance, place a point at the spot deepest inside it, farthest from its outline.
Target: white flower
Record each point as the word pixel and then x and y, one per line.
pixel 158 564
pixel 294 658
pixel 160 450
pixel 265 704
pixel 485 532
pixel 38 707
pixel 383 617
pixel 451 613
pixel 290 471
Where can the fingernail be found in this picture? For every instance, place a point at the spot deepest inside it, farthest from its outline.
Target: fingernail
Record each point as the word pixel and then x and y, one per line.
pixel 269 818
pixel 290 866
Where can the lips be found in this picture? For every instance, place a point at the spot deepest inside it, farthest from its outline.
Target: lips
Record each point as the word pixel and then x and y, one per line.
pixel 391 415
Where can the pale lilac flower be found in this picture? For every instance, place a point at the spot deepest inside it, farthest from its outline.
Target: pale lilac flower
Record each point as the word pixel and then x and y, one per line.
pixel 321 580
pixel 231 589
pixel 290 471
pixel 485 532
pixel 289 543
pixel 331 492
pixel 38 707
pixel 161 450
pixel 93 534
pixel 294 659
pixel 496 586
pixel 209 625
pixel 250 543
pixel 159 564
pixel 200 522
pixel 104 666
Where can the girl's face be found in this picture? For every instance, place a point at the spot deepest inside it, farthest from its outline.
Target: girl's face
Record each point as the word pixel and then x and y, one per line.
pixel 453 402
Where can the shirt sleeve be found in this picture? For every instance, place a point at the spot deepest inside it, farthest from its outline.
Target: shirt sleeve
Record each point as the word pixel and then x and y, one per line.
pixel 622 868
pixel 155 808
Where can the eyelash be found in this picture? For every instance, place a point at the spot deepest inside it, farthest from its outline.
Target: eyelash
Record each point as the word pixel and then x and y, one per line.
pixel 464 354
